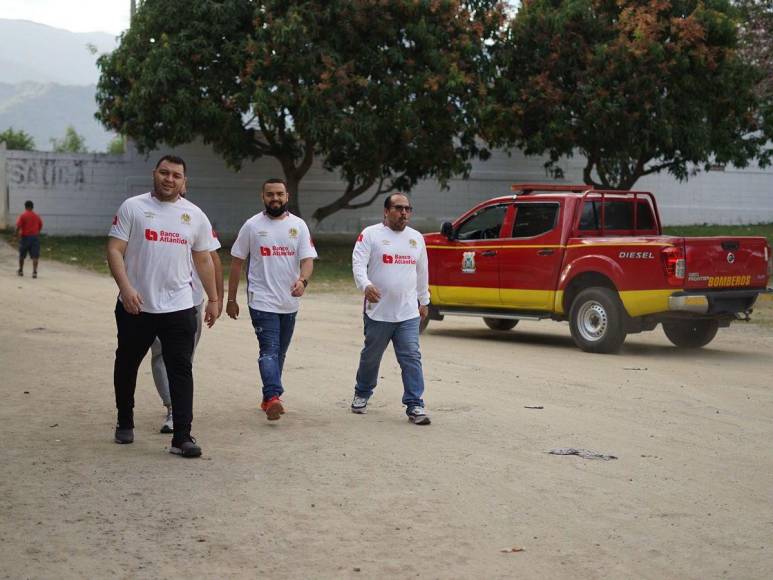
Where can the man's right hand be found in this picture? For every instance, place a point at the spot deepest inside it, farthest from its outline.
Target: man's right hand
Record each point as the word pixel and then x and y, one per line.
pixel 372 294
pixel 232 309
pixel 131 300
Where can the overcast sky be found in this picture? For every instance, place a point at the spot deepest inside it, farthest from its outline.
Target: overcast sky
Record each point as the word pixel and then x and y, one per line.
pixel 110 16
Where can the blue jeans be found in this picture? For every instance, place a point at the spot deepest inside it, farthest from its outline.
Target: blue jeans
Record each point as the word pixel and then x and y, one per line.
pixel 405 340
pixel 274 332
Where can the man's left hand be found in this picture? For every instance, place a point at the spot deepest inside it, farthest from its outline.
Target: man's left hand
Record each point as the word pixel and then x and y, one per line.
pixel 211 312
pixel 423 311
pixel 298 288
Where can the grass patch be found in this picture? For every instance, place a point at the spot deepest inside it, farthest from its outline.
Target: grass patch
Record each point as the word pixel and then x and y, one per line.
pixel 84 251
pixel 332 271
pixel 765 230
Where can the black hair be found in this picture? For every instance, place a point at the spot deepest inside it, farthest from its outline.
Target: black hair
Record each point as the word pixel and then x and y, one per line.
pixel 388 199
pixel 173 159
pixel 28 204
pixel 273 180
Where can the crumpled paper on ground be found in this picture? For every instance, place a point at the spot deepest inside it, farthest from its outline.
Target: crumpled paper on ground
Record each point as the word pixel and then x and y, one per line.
pixel 584 453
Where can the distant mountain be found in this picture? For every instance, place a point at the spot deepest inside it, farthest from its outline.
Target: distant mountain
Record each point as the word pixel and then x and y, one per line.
pixel 38 53
pixel 48 81
pixel 45 110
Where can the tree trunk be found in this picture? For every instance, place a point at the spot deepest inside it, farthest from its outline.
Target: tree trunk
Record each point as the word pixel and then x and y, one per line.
pixel 293 176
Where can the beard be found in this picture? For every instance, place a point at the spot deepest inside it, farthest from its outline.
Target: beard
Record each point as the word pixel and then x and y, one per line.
pixel 276 211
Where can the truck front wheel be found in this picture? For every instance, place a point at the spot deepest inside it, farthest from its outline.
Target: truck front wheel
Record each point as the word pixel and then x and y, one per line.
pixel 596 320
pixel 691 333
pixel 500 323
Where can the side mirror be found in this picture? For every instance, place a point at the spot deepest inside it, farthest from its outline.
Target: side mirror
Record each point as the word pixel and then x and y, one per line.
pixel 447 229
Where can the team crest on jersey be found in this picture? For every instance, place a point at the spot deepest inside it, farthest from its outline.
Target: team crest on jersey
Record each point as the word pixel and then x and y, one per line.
pixel 263 234
pixel 293 233
pixel 412 243
pixel 386 242
pixel 468 262
pixel 150 215
pixel 185 218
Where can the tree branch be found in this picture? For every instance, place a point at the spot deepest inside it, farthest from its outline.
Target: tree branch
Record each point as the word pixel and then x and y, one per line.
pixel 657 168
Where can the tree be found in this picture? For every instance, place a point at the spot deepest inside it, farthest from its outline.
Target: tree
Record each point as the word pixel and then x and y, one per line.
pixel 116 146
pixel 70 143
pixel 384 93
pixel 17 140
pixel 756 39
pixel 636 87
pixel 756 48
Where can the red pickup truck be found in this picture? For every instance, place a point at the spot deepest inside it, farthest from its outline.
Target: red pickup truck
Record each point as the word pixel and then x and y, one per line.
pixel 596 258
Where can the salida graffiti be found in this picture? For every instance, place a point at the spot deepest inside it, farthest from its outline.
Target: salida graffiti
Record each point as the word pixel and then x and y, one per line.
pixel 47 172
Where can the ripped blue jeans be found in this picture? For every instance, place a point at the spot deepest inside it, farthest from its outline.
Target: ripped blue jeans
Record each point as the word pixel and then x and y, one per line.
pixel 274 332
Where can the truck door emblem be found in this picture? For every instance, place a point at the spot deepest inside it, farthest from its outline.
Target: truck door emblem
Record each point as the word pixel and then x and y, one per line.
pixel 468 262
pixel 730 257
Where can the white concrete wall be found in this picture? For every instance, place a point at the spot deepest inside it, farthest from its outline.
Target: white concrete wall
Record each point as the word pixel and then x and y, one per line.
pixel 79 193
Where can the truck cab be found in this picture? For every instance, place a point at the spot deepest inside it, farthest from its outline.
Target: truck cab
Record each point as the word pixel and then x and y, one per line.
pixel 595 258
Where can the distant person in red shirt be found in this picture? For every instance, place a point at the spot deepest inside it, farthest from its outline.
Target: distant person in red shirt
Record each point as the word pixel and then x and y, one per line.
pixel 28 228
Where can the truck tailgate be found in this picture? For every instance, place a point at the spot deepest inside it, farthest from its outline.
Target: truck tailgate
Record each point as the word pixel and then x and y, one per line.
pixel 725 262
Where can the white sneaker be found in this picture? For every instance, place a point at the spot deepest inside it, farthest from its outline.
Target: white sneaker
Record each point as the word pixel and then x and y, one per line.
pixel 418 416
pixel 168 426
pixel 359 405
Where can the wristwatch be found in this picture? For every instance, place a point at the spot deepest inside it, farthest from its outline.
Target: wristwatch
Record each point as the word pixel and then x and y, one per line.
pixel 305 282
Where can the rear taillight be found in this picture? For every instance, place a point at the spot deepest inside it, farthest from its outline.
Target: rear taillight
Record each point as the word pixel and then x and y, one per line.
pixel 674 264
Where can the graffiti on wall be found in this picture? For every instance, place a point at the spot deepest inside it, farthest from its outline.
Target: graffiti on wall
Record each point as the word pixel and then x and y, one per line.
pixel 47 173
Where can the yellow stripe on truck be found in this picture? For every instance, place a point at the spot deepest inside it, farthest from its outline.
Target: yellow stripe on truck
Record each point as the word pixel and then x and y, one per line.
pixel 641 302
pixel 493 297
pixel 464 296
pixel 636 302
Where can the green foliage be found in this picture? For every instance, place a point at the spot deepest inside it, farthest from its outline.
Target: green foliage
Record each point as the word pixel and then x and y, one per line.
pixel 765 230
pixel 636 87
pixel 385 93
pixel 17 140
pixel 72 142
pixel 116 146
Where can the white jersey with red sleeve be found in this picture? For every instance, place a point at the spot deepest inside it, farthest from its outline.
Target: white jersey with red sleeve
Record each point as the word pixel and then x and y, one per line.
pixel 160 237
pixel 275 248
pixel 396 264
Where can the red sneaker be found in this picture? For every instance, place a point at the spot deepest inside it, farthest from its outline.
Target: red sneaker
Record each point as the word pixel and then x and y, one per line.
pixel 273 408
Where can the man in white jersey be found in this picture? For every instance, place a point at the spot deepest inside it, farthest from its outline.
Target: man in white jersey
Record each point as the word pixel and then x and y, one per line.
pixel 153 241
pixel 389 263
pixel 281 255
pixel 157 366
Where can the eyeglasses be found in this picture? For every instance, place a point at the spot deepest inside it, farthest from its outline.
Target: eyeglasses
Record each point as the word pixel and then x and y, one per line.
pixel 402 208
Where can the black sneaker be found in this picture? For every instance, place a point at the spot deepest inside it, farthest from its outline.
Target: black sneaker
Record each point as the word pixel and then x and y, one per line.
pixel 418 416
pixel 124 436
pixel 187 448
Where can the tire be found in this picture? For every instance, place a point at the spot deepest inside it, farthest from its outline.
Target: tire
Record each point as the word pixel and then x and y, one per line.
pixel 500 323
pixel 597 320
pixel 691 333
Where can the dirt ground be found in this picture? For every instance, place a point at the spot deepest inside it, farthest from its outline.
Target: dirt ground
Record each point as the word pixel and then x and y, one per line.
pixel 323 493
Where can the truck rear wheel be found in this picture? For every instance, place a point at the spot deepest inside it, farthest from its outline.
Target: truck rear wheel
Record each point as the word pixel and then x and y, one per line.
pixel 691 333
pixel 500 323
pixel 596 320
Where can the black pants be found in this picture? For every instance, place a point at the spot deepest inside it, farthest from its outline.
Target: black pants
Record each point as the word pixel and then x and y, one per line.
pixel 176 331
